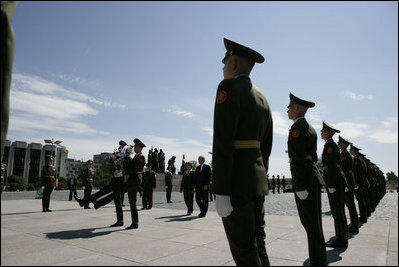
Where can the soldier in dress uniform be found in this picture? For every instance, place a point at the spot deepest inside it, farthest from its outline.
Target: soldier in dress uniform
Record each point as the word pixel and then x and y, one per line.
pixel 306 178
pixel 3 175
pixel 133 169
pixel 48 181
pixel 336 186
pixel 358 171
pixel 242 142
pixel 168 184
pixel 347 167
pixel 273 184
pixel 87 175
pixel 278 183
pixel 283 183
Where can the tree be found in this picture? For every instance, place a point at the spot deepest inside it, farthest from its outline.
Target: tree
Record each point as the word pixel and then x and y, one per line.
pixel 392 178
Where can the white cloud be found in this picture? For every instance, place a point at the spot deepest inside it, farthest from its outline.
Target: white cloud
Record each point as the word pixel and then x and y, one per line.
pixel 358 97
pixel 387 133
pixel 351 130
pixel 179 112
pixel 281 125
pixel 39 105
pixel 209 130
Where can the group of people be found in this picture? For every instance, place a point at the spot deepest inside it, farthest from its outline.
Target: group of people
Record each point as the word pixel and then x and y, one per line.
pixel 242 142
pixel 277 184
pixel 157 160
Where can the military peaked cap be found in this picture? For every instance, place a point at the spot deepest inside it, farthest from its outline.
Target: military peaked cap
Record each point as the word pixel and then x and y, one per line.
pixel 89 161
pixel 343 140
pixel 327 127
pixel 137 141
pixel 297 100
pixel 355 148
pixel 234 48
pixel 122 143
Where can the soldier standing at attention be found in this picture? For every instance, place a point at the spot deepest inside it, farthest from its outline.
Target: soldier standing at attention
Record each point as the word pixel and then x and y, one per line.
pixel 336 186
pixel 168 184
pixel 358 171
pixel 48 181
pixel 242 142
pixel 283 182
pixel 3 175
pixel 273 184
pixel 306 179
pixel 278 183
pixel 347 167
pixel 87 175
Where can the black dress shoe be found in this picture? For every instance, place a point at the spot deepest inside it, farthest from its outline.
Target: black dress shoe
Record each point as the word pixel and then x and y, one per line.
pixel 201 215
pixel 80 201
pixel 353 230
pixel 96 205
pixel 143 208
pixel 132 226
pixel 87 208
pixel 363 220
pixel 116 224
pixel 44 210
pixel 337 244
pixel 49 210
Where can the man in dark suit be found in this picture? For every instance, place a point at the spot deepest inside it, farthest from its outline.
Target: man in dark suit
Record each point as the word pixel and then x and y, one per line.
pixel 242 142
pixel 306 179
pixel 202 180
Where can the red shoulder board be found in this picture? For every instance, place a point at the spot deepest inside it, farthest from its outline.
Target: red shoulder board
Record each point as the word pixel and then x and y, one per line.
pixel 221 97
pixel 295 133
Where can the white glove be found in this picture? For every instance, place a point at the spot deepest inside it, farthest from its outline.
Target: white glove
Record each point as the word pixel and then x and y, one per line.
pixel 223 205
pixel 356 188
pixel 302 194
pixel 331 190
pixel 346 189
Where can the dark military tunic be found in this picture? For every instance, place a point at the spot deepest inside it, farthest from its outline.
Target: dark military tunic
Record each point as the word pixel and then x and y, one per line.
pixel 133 169
pixel 347 167
pixel 335 178
pixel 242 142
pixel 48 181
pixel 302 150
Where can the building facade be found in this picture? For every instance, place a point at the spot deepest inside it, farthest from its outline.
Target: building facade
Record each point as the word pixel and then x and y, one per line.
pixel 26 160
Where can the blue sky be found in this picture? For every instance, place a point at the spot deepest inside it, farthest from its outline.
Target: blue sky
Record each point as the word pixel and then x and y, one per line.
pixel 93 73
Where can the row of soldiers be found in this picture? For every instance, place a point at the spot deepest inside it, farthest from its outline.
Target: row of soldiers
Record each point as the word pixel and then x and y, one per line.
pixel 276 183
pixel 345 174
pixel 157 160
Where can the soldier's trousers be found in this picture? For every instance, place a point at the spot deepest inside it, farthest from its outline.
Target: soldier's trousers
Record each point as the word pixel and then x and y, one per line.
pixel 189 199
pixel 309 211
pixel 131 186
pixel 245 231
pixel 362 203
pixel 87 193
pixel 46 197
pixel 350 204
pixel 337 206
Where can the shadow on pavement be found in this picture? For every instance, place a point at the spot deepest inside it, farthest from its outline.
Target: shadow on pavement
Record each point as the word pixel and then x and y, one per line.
pixel 80 233
pixel 178 218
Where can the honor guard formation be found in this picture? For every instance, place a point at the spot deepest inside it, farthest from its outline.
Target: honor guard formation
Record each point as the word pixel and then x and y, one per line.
pixel 242 143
